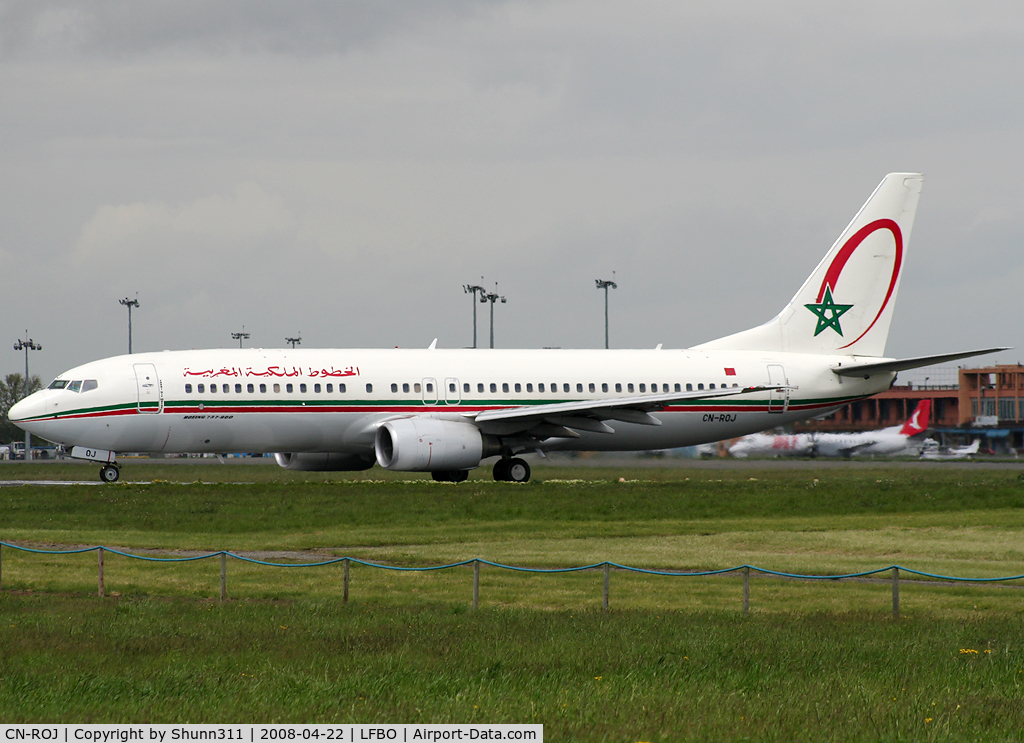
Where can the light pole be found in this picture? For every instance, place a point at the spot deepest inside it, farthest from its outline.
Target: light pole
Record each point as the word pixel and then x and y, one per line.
pixel 240 337
pixel 604 284
pixel 129 303
pixel 28 345
pixel 474 290
pixel 293 341
pixel 492 297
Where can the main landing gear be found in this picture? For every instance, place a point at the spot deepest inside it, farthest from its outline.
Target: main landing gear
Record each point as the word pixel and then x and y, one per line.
pixel 511 470
pixel 110 473
pixel 450 475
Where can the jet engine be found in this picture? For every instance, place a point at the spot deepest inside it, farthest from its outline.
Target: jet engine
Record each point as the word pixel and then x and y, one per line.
pixel 322 461
pixel 421 444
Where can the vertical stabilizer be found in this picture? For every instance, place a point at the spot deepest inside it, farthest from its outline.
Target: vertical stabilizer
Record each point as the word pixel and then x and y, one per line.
pixel 918 422
pixel 846 305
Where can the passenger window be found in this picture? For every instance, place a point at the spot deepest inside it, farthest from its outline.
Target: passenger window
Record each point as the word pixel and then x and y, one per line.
pixel 250 388
pixel 288 387
pixel 226 388
pixel 494 387
pixel 689 387
pixel 263 387
pixel 394 387
pixel 341 387
pixel 188 389
pixel 480 387
pixel 238 389
pixel 465 386
pixel 316 387
pixel 201 388
pixel 711 386
pixel 504 386
pixel 302 387
pixel 592 388
pixel 565 387
pixel 415 386
pixel 677 387
pixel 89 384
pixel 369 387
pixel 518 387
pixel 405 386
pixel 540 387
pixel 529 386
pixel 618 386
pixel 579 387
pixel 277 387
pixel 604 386
pixel 330 388
pixel 75 386
pixel 700 385
pixel 643 387
pixel 430 386
pixel 451 387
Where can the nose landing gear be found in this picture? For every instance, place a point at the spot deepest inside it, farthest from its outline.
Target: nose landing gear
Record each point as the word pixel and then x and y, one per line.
pixel 110 473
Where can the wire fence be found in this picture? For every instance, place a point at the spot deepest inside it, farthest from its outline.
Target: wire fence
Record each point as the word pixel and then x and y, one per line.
pixel 606 567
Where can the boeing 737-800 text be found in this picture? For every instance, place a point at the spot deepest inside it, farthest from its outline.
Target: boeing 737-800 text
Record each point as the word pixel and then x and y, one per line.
pixel 444 411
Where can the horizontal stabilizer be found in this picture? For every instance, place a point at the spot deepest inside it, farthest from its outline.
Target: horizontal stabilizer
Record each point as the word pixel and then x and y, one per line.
pixel 897 365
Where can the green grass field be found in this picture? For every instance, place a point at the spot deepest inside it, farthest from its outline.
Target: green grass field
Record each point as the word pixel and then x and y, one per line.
pixel 674 659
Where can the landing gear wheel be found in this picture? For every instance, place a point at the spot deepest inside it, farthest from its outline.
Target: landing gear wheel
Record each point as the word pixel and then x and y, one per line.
pixel 450 475
pixel 518 471
pixel 500 471
pixel 110 473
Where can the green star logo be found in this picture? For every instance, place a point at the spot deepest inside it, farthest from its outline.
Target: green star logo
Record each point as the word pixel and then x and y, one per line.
pixel 828 312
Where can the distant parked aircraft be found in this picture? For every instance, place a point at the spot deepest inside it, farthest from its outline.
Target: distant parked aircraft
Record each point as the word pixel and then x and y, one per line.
pixel 890 440
pixel 932 450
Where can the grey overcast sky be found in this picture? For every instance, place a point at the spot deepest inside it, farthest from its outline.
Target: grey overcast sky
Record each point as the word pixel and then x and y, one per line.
pixel 340 169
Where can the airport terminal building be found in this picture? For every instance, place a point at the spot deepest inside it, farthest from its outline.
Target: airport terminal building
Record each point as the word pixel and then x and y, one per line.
pixel 986 403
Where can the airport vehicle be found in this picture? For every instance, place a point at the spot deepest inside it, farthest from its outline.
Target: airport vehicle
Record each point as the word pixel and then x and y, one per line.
pixel 891 440
pixel 445 411
pixel 932 450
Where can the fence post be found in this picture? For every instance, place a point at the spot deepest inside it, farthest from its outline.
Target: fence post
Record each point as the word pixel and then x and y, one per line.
pixel 223 576
pixel 103 591
pixel 1 566
pixel 476 585
pixel 895 591
pixel 746 589
pixel 344 584
pixel 607 574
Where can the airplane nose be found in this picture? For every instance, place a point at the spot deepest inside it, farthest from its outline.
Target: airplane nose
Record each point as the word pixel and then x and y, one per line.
pixel 24 412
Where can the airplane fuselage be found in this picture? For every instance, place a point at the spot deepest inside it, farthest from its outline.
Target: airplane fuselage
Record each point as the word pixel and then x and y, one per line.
pixel 306 400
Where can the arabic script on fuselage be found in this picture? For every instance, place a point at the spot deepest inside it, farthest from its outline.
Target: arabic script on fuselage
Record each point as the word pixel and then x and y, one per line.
pixel 272 371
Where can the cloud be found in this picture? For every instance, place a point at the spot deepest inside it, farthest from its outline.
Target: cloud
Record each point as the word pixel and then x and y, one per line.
pixel 248 214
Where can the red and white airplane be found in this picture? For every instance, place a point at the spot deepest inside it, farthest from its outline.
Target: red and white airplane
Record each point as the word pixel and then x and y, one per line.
pixel 445 411
pixel 890 440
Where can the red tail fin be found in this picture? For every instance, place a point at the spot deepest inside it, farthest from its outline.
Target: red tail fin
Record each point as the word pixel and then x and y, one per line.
pixel 918 422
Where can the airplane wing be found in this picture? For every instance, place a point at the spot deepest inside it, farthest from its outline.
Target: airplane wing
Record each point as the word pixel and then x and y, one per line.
pixel 897 365
pixel 561 418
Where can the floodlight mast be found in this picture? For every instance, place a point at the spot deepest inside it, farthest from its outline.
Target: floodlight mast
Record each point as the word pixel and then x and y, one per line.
pixel 27 345
pixel 474 290
pixel 492 297
pixel 240 337
pixel 129 303
pixel 605 284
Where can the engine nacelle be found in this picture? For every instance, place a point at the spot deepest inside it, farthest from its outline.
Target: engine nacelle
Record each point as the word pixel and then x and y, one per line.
pixel 421 444
pixel 322 461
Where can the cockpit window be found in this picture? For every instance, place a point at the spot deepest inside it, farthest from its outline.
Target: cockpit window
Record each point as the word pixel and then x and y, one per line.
pixel 89 384
pixel 58 384
pixel 75 386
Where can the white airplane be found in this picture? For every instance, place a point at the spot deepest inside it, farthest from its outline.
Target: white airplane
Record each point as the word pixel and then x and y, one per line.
pixel 891 440
pixel 932 450
pixel 444 411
